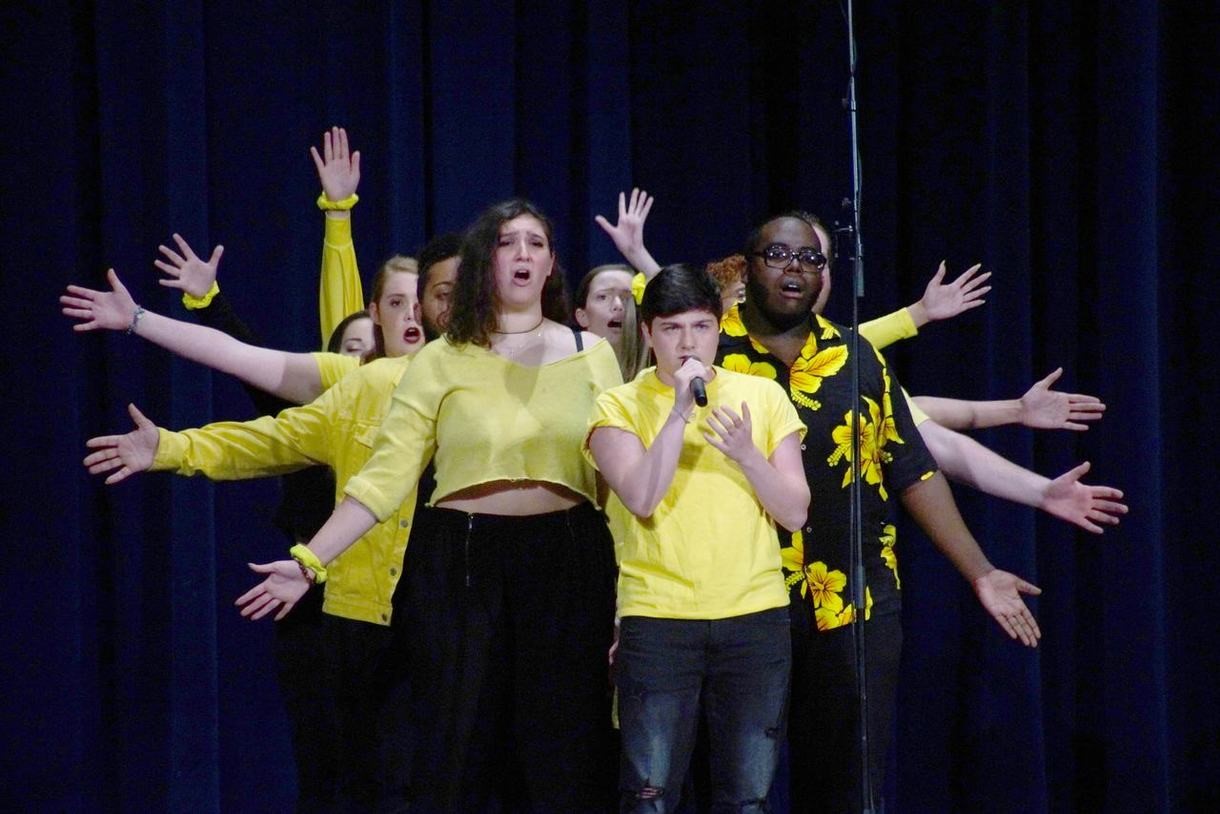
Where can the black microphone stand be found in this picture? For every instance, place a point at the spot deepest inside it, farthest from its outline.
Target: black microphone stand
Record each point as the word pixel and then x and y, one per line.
pixel 859 595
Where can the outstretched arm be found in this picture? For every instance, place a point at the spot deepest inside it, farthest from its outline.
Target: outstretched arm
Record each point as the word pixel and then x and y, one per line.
pixel 291 376
pixel 339 292
pixel 286 582
pixel 967 461
pixel 942 300
pixel 1040 407
pixel 931 504
pixel 628 232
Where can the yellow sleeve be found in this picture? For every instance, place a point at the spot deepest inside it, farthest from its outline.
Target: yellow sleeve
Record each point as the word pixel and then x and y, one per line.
pixel 339 292
pixel 334 366
pixel 784 420
pixel 238 450
pixel 889 329
pixel 917 415
pixel 407 439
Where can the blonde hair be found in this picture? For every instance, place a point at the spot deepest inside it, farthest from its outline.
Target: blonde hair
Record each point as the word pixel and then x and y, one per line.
pixel 633 354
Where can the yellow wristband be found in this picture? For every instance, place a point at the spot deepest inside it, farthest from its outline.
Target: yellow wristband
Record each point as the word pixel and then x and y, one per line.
pixel 309 561
pixel 195 303
pixel 347 203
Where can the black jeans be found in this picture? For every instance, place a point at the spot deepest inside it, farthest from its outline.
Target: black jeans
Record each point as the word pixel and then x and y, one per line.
pixel 509 625
pixel 823 730
pixel 739 669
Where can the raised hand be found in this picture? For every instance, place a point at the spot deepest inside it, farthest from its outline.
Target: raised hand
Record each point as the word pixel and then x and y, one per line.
pixel 1000 594
pixel 735 437
pixel 280 591
pixel 1086 506
pixel 186 271
pixel 338 169
pixel 944 300
pixel 628 232
pixel 129 454
pixel 1044 408
pixel 110 310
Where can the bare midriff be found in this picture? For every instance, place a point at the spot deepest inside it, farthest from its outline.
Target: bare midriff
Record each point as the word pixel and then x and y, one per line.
pixel 516 498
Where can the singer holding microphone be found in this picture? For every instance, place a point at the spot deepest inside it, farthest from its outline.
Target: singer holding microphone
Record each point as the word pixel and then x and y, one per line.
pixel 697 491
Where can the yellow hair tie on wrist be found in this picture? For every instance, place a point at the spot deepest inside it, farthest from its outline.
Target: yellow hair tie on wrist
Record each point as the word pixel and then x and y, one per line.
pixel 193 303
pixel 326 204
pixel 309 561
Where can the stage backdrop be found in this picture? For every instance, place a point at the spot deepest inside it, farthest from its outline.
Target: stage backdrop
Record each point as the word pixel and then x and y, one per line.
pixel 1069 149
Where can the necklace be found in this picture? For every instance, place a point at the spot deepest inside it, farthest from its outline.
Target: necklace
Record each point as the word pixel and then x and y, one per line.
pixel 520 341
pixel 526 331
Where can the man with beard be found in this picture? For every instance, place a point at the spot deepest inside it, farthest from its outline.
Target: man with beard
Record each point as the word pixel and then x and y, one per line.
pixel 774 334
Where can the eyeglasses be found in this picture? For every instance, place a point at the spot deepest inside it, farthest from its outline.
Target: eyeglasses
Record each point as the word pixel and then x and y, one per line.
pixel 778 256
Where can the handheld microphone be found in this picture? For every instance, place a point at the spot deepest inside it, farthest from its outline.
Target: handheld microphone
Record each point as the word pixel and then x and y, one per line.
pixel 699 390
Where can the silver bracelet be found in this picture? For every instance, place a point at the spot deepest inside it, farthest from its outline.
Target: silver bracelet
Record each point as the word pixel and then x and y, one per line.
pixel 135 320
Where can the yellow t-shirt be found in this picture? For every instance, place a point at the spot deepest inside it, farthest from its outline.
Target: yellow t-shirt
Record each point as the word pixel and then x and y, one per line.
pixel 709 550
pixel 337 429
pixel 487 419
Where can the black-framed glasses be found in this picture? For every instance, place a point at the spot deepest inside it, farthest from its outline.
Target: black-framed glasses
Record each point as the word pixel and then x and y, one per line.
pixel 778 256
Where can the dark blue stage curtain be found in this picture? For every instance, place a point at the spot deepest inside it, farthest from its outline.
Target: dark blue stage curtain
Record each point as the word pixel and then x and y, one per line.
pixel 1069 148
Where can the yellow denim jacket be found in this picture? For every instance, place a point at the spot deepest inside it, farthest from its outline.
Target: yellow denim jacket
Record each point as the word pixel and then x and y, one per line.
pixel 337 429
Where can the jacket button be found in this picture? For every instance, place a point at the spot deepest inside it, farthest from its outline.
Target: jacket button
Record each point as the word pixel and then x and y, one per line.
pixel 393 572
pixel 402 524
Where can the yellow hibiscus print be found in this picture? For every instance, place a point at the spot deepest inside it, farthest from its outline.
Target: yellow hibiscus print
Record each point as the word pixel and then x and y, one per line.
pixel 829 331
pixel 825 586
pixel 740 363
pixel 731 323
pixel 888 538
pixel 874 432
pixel 829 620
pixel 820 584
pixel 805 377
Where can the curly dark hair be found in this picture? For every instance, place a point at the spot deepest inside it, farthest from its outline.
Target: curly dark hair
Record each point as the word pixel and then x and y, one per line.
pixel 472 317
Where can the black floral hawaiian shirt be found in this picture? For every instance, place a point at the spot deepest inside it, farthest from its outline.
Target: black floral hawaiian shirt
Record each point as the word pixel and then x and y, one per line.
pixel 817 559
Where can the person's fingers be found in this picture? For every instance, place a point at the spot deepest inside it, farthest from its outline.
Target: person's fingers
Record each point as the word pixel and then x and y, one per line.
pixel 184 247
pixel 1027 587
pixel 140 420
pixel 174 257
pixel 1050 379
pixel 121 475
pixel 217 253
pixel 317 159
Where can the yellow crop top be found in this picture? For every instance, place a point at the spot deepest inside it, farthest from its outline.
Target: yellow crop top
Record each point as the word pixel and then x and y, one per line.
pixel 486 419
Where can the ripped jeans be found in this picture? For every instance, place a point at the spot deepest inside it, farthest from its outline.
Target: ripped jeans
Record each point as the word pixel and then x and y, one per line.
pixel 738 669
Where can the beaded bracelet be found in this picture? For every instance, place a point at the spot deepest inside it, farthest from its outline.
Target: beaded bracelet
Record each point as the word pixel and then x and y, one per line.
pixel 135 320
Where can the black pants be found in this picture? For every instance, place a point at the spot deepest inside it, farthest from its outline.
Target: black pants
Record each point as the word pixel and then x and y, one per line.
pixel 309 703
pixel 509 625
pixel 823 744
